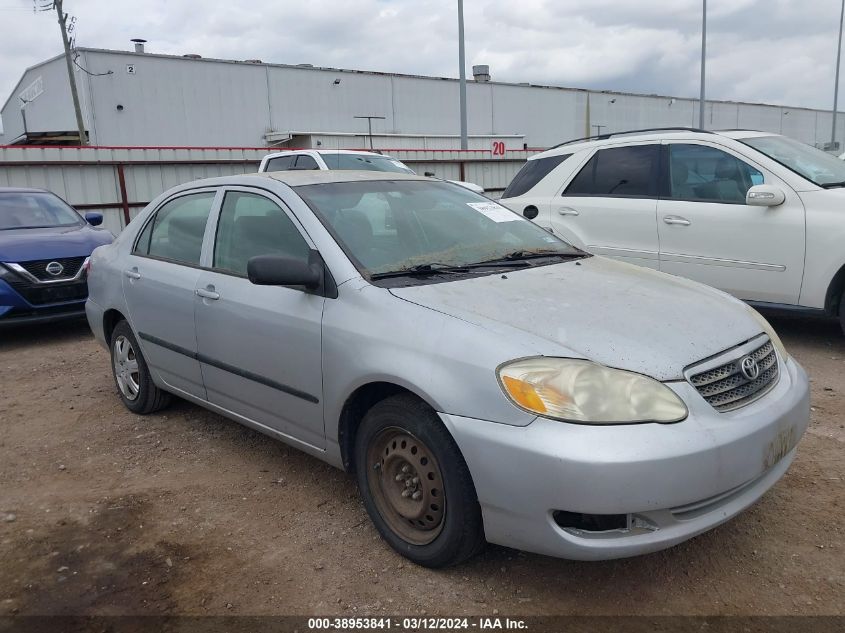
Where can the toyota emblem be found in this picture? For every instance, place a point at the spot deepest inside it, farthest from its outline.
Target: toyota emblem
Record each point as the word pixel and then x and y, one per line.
pixel 750 368
pixel 54 268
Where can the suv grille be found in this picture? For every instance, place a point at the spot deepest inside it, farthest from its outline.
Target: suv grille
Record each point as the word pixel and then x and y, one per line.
pixel 726 387
pixel 51 293
pixel 38 268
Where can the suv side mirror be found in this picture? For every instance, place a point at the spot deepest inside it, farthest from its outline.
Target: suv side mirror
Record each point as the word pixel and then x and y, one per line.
pixel 276 270
pixel 765 196
pixel 94 219
pixel 429 174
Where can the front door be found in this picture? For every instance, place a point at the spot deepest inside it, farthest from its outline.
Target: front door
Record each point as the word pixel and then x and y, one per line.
pixel 159 281
pixel 260 346
pixel 609 207
pixel 708 233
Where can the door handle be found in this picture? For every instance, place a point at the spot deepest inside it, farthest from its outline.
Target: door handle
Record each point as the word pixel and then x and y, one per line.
pixel 676 219
pixel 132 274
pixel 206 293
pixel 567 211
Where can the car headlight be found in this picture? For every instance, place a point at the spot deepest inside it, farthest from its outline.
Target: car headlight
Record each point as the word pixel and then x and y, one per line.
pixel 770 332
pixel 584 392
pixel 6 274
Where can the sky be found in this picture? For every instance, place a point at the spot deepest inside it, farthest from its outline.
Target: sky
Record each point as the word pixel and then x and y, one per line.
pixel 772 51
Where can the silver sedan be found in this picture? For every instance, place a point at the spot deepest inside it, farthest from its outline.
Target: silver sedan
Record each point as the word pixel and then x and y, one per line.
pixel 484 380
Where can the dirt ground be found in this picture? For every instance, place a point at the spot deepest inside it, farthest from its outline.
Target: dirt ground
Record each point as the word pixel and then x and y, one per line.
pixel 183 512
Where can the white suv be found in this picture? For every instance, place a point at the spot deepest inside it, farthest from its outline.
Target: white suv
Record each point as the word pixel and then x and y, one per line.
pixel 755 214
pixel 326 159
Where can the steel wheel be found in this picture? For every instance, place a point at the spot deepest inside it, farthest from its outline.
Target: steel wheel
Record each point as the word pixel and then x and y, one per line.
pixel 407 486
pixel 126 368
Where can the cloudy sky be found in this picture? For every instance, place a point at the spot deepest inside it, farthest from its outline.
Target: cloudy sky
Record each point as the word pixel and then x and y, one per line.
pixel 776 51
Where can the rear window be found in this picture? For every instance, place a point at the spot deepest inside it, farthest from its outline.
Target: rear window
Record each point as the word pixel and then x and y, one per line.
pixel 531 173
pixel 619 171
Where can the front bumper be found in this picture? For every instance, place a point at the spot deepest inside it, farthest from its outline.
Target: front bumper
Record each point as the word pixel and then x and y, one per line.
pixel 673 481
pixel 15 309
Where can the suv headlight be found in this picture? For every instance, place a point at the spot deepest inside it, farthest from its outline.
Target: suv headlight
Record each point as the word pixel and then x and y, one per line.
pixel 584 392
pixel 6 274
pixel 770 332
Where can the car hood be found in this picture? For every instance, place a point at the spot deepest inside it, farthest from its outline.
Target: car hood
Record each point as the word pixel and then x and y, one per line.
pixel 612 313
pixel 21 245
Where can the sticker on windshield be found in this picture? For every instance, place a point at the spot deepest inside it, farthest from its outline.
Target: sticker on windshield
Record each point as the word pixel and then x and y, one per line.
pixel 495 212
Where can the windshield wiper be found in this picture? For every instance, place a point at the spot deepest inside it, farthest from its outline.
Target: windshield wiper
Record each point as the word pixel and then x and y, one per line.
pixel 833 185
pixel 519 258
pixel 421 270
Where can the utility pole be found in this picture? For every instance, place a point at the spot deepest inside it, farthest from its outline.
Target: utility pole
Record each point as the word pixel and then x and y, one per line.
pixel 836 81
pixel 463 75
pixel 701 101
pixel 369 126
pixel 57 5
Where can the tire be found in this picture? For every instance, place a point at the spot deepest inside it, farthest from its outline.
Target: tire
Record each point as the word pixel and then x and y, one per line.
pixel 415 484
pixel 132 375
pixel 842 312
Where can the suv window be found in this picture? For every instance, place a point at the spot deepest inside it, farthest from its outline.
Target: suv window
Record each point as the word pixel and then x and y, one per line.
pixel 281 163
pixel 251 225
pixel 707 174
pixel 304 161
pixel 619 171
pixel 177 229
pixel 531 173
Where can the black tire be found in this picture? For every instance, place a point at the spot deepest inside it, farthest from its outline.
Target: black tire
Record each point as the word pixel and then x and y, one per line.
pixel 842 312
pixel 459 533
pixel 149 398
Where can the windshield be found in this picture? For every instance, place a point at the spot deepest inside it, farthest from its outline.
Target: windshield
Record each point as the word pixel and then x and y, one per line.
pixel 813 164
pixel 387 226
pixel 35 210
pixel 365 162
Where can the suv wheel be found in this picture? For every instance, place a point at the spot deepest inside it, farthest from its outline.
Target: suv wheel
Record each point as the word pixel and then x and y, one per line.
pixel 415 484
pixel 131 374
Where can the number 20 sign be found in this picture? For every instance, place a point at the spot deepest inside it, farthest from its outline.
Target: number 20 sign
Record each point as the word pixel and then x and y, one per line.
pixel 497 149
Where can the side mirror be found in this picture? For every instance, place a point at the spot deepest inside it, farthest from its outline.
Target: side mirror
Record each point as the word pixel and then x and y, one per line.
pixel 765 196
pixel 275 270
pixel 429 174
pixel 531 212
pixel 94 219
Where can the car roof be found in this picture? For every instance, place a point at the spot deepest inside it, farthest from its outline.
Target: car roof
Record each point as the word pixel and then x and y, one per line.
pixel 355 152
pixel 635 136
pixel 22 190
pixel 296 178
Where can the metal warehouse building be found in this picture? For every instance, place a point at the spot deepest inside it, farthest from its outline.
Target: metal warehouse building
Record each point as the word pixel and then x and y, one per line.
pixel 143 99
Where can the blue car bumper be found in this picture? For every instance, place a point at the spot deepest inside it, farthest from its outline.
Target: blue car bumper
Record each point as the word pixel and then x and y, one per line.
pixel 26 303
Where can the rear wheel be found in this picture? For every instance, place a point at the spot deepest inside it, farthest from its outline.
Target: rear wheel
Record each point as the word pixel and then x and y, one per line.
pixel 415 484
pixel 131 374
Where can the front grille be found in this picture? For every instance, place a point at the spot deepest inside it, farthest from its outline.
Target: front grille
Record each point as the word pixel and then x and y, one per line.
pixel 51 293
pixel 38 268
pixel 726 387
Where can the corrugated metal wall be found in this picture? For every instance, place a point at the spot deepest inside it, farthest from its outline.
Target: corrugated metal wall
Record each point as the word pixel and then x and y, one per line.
pixel 120 181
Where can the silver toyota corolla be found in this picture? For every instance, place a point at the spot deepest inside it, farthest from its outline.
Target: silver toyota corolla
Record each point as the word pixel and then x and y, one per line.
pixel 483 379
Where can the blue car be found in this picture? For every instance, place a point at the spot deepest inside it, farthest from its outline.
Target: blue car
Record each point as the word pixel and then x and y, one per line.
pixel 44 248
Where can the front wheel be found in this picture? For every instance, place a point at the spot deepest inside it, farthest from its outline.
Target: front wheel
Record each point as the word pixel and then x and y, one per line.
pixel 132 375
pixel 416 485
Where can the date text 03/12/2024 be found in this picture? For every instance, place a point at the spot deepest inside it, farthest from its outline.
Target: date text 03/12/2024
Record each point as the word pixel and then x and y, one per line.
pixel 416 624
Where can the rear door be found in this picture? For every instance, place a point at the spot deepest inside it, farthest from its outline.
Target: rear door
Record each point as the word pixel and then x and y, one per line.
pixel 260 346
pixel 159 280
pixel 610 206
pixel 708 233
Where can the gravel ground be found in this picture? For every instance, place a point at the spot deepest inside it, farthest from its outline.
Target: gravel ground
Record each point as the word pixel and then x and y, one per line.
pixel 183 512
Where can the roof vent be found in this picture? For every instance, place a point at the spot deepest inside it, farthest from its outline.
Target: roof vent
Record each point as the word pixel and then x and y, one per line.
pixel 253 61
pixel 481 72
pixel 139 44
pixel 192 56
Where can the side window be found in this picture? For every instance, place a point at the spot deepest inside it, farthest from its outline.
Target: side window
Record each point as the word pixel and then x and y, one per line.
pixel 177 229
pixel 707 174
pixel 618 171
pixel 304 161
pixel 531 173
pixel 251 225
pixel 282 163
